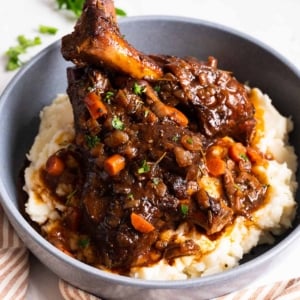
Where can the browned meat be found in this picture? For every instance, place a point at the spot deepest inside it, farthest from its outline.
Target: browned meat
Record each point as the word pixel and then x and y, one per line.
pixel 162 159
pixel 149 155
pixel 220 101
pixel 96 40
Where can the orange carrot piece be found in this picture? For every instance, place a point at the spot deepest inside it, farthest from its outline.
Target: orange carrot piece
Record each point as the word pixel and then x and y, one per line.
pixel 95 106
pixel 140 223
pixel 215 165
pixel 254 155
pixel 177 116
pixel 54 165
pixel 237 152
pixel 114 164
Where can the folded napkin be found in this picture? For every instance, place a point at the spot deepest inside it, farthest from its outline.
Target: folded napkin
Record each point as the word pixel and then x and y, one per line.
pixel 283 290
pixel 14 267
pixel 14 275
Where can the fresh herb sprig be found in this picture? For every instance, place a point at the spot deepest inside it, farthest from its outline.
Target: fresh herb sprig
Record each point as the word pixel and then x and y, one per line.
pixel 76 6
pixel 13 53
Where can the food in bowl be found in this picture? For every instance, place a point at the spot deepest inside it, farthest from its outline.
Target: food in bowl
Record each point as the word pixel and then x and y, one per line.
pixel 160 168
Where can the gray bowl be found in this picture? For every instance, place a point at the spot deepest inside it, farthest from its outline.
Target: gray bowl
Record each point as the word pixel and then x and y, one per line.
pixel 45 76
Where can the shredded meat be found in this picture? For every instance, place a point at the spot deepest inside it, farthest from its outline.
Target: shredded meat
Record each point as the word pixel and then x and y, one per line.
pixel 153 136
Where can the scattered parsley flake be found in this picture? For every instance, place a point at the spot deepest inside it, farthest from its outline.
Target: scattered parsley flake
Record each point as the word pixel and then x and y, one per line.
pixel 76 6
pixel 144 168
pixel 189 140
pixel 120 12
pixel 138 89
pixel 175 138
pixel 108 96
pixel 184 209
pixel 244 156
pixel 83 242
pixel 13 53
pixel 157 88
pixel 47 29
pixel 117 123
pixel 92 140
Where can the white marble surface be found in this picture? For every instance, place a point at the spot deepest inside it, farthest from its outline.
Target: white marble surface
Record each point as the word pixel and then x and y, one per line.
pixel 275 22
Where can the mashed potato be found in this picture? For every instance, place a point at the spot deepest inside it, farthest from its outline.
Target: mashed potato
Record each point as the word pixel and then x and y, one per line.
pixel 56 131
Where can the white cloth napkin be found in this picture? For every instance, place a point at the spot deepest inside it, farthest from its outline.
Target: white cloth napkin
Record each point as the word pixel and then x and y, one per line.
pixel 14 275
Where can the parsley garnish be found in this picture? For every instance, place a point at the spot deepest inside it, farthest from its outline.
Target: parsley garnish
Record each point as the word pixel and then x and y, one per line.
pixel 76 7
pixel 144 168
pixel 13 53
pixel 120 12
pixel 189 140
pixel 244 156
pixel 184 209
pixel 175 138
pixel 83 242
pixel 47 29
pixel 92 140
pixel 138 89
pixel 157 88
pixel 117 123
pixel 108 96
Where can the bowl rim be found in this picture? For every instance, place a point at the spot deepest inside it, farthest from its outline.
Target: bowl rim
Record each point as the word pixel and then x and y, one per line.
pixel 18 220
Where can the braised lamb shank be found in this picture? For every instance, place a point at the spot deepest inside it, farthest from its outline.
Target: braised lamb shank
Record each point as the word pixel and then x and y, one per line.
pixel 151 131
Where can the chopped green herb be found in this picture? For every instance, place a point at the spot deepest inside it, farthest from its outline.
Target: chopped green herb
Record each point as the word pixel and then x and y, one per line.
pixel 144 168
pixel 117 123
pixel 13 53
pixel 189 140
pixel 120 12
pixel 108 96
pixel 76 7
pixel 157 88
pixel 175 138
pixel 47 29
pixel 25 42
pixel 92 140
pixel 83 242
pixel 138 89
pixel 184 209
pixel 244 156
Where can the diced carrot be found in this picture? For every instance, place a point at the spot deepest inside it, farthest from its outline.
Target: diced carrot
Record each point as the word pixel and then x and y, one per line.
pixel 140 223
pixel 215 165
pixel 54 165
pixel 254 155
pixel 177 116
pixel 114 164
pixel 95 105
pixel 162 110
pixel 237 152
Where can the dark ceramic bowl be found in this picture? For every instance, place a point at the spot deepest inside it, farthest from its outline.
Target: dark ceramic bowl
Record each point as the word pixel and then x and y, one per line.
pixel 39 82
